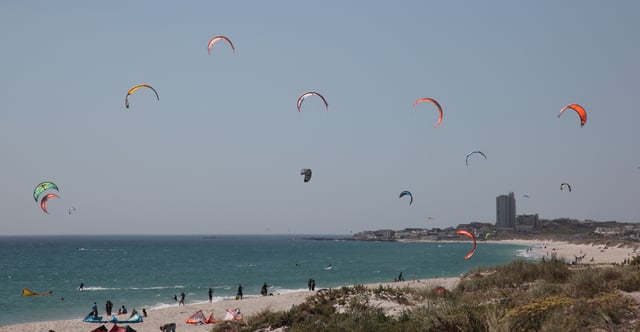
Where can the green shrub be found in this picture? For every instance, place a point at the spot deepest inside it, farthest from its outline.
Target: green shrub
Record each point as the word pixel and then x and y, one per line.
pixel 519 296
pixel 515 274
pixel 589 282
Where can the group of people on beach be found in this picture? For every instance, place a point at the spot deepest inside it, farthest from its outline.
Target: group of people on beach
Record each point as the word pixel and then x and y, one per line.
pixel 239 292
pixel 108 308
pixel 311 284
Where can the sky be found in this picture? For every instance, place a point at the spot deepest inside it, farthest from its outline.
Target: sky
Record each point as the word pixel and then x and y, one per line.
pixel 221 151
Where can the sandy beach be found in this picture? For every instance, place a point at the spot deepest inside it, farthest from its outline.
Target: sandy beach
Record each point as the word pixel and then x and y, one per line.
pixel 591 254
pixel 179 314
pixel 585 253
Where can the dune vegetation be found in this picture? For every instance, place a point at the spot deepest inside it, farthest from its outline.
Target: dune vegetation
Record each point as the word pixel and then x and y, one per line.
pixel 547 295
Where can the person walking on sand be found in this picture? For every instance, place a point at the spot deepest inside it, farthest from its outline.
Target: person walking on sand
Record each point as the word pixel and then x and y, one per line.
pixel 181 299
pixel 239 293
pixel 210 295
pixel 400 277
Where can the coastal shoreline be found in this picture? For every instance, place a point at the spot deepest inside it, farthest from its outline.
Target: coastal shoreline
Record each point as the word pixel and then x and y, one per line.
pixel 585 253
pixel 248 306
pixel 588 254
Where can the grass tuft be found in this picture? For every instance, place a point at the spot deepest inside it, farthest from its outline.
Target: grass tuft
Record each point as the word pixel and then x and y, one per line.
pixel 519 296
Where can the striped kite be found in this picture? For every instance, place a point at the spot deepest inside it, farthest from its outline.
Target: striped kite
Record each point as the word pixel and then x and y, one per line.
pixel 307 174
pixel 307 94
pixel 217 38
pixel 407 193
pixel 42 187
pixel 469 235
pixel 45 199
pixel 579 109
pixel 136 87
pixel 431 100
pixel 470 153
pixel 565 185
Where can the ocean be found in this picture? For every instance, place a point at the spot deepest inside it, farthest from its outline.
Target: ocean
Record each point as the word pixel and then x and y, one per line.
pixel 147 271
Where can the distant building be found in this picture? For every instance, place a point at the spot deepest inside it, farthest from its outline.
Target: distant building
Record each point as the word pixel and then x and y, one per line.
pixel 384 234
pixel 527 222
pixel 506 212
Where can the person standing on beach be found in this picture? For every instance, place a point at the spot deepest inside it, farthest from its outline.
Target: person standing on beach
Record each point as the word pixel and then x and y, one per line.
pixel 108 307
pixel 239 293
pixel 313 284
pixel 210 295
pixel 263 291
pixel 309 283
pixel 181 299
pixel 94 309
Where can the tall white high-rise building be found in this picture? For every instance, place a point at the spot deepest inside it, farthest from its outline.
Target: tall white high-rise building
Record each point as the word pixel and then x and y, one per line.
pixel 506 212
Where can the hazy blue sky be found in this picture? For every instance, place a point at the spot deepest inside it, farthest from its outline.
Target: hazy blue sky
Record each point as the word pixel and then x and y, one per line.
pixel 222 149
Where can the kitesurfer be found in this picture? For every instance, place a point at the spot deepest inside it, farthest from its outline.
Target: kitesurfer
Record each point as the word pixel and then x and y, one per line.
pixel 81 288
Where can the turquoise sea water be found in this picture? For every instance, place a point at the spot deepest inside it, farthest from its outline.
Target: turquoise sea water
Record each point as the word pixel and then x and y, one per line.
pixel 147 271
